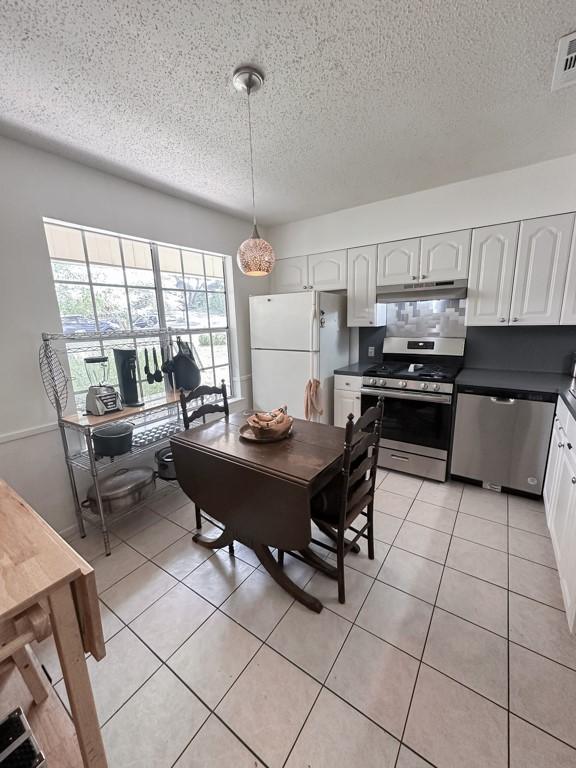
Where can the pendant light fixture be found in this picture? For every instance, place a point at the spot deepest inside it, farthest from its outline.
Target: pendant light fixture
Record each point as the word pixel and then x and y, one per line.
pixel 255 256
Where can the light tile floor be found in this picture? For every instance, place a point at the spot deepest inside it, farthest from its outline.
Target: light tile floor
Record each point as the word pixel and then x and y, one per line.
pixel 452 649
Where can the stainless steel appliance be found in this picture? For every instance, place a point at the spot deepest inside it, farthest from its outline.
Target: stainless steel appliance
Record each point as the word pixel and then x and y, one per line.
pixel 423 291
pixel 126 369
pixel 501 437
pixel 121 491
pixel 101 398
pixel 416 378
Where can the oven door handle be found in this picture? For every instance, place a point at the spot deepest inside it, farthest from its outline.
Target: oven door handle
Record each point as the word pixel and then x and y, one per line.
pixel 397 395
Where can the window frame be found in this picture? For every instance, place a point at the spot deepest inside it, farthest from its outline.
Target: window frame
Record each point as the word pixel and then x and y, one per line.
pixel 157 336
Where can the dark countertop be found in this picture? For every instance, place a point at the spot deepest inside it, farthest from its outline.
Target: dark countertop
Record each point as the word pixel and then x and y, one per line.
pixel 523 381
pixel 354 369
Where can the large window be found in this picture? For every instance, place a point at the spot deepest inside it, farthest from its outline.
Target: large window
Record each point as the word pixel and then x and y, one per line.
pixel 109 285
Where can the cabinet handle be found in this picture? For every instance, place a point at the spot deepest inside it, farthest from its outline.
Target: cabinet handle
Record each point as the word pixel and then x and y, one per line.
pixel 347 383
pixel 569 445
pixel 574 481
pixel 560 445
pixel 371 322
pixel 423 277
pixel 514 319
pixel 502 320
pixel 356 397
pixel 414 277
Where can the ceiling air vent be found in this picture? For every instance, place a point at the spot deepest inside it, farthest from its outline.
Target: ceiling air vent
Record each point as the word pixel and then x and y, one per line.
pixel 565 69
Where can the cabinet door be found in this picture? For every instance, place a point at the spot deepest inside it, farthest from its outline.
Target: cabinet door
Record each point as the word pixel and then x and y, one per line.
pixel 362 286
pixel 345 403
pixel 398 262
pixel 568 316
pixel 327 271
pixel 445 257
pixel 563 530
pixel 492 260
pixel 541 267
pixel 290 274
pixel 550 483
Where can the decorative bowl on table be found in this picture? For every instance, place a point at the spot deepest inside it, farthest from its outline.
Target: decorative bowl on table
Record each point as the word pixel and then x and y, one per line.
pixel 267 426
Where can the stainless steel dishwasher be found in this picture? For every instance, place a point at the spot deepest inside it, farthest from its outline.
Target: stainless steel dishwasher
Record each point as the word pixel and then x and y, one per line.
pixel 501 437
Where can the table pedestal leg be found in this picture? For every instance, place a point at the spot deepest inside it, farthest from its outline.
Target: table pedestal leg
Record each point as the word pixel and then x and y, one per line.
pixel 225 538
pixel 265 556
pixel 73 663
pixel 309 556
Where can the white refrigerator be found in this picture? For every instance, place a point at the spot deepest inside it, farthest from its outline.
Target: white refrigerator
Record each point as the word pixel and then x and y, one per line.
pixel 295 337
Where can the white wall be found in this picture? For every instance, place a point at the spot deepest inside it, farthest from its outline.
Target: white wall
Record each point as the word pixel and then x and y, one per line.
pixel 35 184
pixel 535 190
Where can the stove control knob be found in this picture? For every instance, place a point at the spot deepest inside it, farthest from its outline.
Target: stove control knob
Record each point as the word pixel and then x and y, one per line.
pixel 403 384
pixel 424 385
pixel 381 382
pixel 372 381
pixel 436 387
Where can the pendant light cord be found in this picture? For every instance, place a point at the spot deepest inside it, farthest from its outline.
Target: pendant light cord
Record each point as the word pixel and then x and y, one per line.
pixel 251 156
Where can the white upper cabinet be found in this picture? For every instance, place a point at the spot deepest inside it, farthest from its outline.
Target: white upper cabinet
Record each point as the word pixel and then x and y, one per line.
pixel 445 257
pixel 362 286
pixel 398 262
pixel 327 271
pixel 319 272
pixel 290 274
pixel 492 261
pixel 541 267
pixel 568 316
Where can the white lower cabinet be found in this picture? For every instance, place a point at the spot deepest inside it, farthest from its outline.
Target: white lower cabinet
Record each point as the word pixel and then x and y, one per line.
pixel 346 398
pixel 560 504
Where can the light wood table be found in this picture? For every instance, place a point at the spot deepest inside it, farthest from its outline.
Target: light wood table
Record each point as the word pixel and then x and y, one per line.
pixel 37 567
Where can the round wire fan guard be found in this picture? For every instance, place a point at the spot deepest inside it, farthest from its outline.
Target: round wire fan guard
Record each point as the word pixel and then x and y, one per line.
pixel 54 379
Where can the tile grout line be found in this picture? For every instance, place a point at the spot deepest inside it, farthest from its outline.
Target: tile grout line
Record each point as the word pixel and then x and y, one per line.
pixel 352 624
pixel 374 579
pixel 323 684
pixel 420 662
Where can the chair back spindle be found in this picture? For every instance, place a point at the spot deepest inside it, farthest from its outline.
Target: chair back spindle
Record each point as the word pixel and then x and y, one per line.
pixel 200 393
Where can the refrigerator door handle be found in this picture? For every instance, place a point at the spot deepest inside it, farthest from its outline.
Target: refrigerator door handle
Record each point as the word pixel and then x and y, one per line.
pixel 312 338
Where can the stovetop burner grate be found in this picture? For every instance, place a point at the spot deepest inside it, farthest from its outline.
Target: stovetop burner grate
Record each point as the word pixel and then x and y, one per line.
pixel 424 371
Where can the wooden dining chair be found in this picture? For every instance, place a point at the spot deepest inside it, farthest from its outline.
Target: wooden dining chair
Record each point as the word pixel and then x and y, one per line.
pixel 337 510
pixel 203 410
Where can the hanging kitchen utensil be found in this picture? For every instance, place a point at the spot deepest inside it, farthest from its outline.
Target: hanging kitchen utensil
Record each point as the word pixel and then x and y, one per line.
pixel 157 372
pixel 53 377
pixel 149 375
pixel 168 365
pixel 186 372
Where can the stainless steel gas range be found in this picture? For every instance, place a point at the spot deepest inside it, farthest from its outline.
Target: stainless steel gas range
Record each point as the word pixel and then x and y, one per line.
pixel 416 378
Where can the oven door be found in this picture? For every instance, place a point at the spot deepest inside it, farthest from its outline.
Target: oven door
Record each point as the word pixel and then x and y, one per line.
pixel 413 421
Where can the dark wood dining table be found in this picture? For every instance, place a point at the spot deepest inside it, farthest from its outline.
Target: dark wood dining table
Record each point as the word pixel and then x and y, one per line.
pixel 261 493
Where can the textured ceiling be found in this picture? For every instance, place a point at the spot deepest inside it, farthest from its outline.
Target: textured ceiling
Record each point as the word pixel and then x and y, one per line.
pixel 363 100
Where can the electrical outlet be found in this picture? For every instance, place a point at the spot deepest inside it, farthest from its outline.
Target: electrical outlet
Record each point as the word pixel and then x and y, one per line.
pixel 371 351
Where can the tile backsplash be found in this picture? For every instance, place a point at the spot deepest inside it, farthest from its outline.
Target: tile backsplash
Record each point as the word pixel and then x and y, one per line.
pixel 419 319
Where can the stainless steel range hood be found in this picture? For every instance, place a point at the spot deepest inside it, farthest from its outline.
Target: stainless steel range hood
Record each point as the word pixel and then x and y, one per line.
pixel 440 289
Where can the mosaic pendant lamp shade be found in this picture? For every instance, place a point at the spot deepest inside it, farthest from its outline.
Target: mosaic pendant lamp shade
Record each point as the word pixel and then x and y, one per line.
pixel 255 255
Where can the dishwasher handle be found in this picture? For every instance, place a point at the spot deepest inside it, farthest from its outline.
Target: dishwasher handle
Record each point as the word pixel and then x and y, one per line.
pixel 503 400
